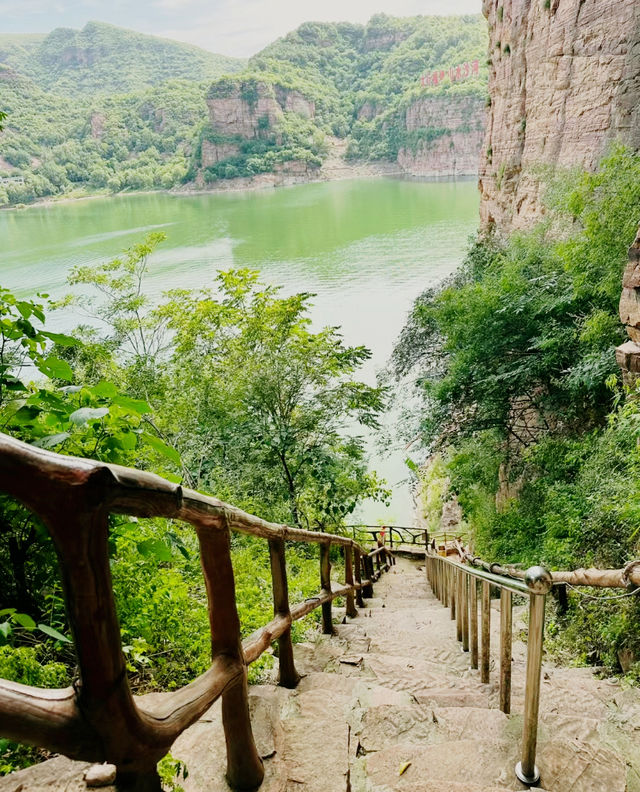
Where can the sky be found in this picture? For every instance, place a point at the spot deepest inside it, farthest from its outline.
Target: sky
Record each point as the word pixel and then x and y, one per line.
pixel 231 27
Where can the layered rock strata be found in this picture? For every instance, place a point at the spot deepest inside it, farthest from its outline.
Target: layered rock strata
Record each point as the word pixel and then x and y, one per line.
pixel 564 82
pixel 449 132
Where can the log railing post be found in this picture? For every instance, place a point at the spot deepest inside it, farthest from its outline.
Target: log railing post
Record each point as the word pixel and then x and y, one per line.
pixel 350 609
pixel 325 583
pixel 288 676
pixel 454 591
pixel 357 563
pixel 539 581
pixel 244 766
pixel 459 605
pixel 79 530
pixel 367 565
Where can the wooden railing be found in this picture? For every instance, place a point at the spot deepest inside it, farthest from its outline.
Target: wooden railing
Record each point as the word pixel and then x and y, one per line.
pixel 454 580
pixel 98 718
pixel 393 534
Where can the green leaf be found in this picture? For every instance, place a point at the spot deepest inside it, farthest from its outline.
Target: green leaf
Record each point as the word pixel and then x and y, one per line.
pixel 52 440
pixel 56 369
pixel 105 389
pixel 411 465
pixel 155 548
pixel 5 629
pixel 85 414
pixel 162 448
pixel 53 633
pixel 24 621
pixel 61 339
pixel 136 405
pixel 7 611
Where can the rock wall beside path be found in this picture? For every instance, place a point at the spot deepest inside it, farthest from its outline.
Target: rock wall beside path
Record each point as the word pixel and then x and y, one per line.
pixel 564 82
pixel 448 132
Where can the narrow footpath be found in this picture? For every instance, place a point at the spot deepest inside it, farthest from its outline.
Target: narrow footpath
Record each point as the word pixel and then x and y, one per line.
pixel 390 703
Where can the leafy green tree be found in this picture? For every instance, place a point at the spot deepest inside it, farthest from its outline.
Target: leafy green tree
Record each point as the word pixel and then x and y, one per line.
pixel 264 412
pixel 285 396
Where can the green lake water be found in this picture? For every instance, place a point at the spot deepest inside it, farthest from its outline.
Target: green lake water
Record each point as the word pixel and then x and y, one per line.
pixel 365 248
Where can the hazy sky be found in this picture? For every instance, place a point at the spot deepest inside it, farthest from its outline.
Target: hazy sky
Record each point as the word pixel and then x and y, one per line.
pixel 232 27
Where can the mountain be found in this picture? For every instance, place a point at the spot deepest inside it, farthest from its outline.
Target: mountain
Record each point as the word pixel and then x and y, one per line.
pixel 106 59
pixel 365 83
pixel 109 109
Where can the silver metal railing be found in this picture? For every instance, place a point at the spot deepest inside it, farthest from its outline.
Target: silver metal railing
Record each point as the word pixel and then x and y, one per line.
pixel 456 586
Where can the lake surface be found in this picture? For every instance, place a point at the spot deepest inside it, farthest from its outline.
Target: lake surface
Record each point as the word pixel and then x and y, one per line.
pixel 366 248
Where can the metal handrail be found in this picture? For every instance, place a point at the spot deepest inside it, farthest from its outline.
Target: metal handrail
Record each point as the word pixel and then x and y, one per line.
pixel 455 585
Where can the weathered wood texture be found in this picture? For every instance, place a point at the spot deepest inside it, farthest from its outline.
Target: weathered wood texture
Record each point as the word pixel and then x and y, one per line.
pixel 99 719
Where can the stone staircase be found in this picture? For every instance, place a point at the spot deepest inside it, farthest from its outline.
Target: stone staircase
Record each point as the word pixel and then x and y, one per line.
pixel 390 703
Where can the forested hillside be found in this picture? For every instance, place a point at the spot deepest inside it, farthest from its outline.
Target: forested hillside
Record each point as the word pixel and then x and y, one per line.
pixel 348 81
pixel 101 108
pixel 109 109
pixel 106 59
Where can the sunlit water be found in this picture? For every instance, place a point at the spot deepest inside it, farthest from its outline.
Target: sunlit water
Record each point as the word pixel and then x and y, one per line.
pixel 365 248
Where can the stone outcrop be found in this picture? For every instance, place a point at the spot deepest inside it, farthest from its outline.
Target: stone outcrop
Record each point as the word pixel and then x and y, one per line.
pixel 564 82
pixel 249 114
pixel 453 148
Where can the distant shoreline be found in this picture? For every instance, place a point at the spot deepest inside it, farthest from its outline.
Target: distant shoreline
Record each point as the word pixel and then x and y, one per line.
pixel 328 172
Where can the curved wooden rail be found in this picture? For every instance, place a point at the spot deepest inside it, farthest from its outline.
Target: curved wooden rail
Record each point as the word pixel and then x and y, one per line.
pixel 99 719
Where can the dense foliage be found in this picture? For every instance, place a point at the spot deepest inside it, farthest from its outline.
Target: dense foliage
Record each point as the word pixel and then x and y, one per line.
pixel 103 108
pixel 105 59
pixel 515 358
pixel 227 390
pixel 360 81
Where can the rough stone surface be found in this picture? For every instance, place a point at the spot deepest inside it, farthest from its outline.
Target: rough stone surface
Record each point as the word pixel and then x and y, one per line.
pixel 564 82
pixel 455 153
pixel 412 704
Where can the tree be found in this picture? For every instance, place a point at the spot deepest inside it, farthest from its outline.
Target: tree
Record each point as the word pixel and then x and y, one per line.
pixel 277 396
pixel 264 412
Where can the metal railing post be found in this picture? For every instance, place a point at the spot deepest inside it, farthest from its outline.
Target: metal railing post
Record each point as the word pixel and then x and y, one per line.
pixel 459 605
pixel 486 632
pixel 465 611
pixel 473 621
pixel 539 581
pixel 505 650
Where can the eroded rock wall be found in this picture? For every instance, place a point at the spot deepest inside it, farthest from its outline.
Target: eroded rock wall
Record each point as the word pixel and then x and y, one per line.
pixel 564 82
pixel 452 130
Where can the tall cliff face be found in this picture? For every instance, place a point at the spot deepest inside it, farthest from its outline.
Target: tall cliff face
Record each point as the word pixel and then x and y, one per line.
pixel 564 82
pixel 447 134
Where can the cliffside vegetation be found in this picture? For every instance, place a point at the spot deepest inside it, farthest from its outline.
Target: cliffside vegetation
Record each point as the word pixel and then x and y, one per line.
pixel 523 404
pixel 228 391
pixel 108 109
pixel 358 81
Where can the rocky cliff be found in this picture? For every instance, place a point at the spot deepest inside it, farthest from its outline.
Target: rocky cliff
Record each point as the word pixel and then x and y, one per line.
pixel 249 112
pixel 446 134
pixel 564 81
